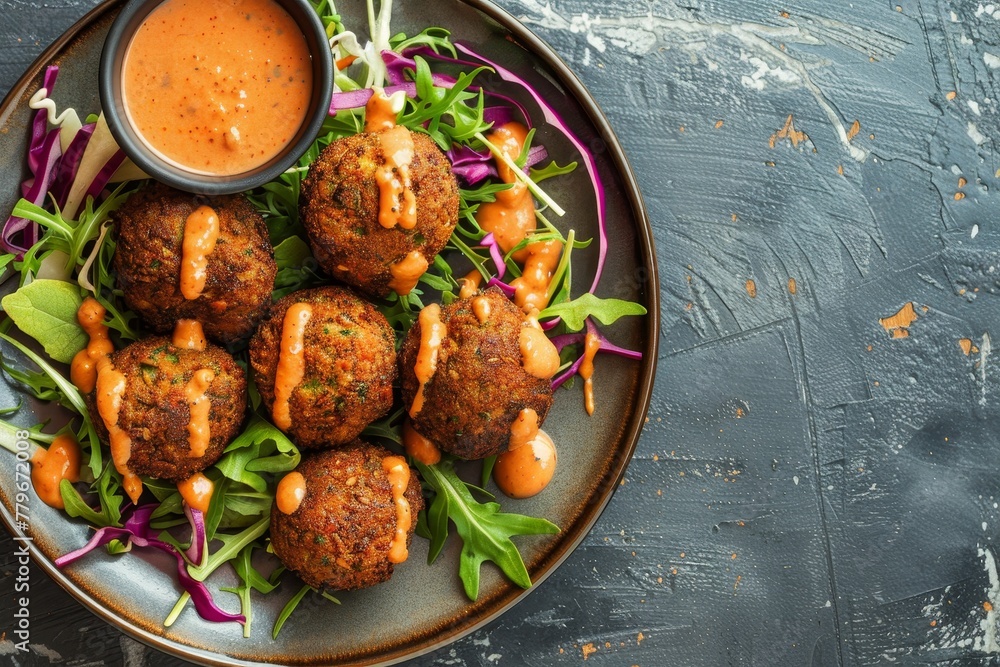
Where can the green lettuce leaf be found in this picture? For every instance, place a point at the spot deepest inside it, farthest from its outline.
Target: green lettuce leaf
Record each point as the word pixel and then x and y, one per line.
pixel 46 311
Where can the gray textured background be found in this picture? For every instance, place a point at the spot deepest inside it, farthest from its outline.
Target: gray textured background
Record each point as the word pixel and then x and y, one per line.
pixel 809 490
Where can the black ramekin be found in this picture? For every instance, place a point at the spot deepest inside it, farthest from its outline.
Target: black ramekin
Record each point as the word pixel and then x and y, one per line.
pixel 110 85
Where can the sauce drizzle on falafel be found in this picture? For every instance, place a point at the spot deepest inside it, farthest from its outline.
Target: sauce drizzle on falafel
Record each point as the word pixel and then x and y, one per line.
pixel 111 387
pixel 201 231
pixel 481 307
pixel 406 272
pixel 199 429
pixel 432 333
pixel 418 447
pixel 197 491
pixel 290 492
pixel 539 357
pixel 398 472
pixel 190 335
pixel 397 203
pixel 83 370
pixel 291 362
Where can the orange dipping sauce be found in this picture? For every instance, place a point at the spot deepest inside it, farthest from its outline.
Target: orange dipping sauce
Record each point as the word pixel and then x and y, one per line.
pixel 217 87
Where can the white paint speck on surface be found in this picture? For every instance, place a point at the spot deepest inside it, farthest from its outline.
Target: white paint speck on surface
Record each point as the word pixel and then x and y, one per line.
pixel 985 350
pixel 992 61
pixel 988 642
pixel 975 134
pixel 974 105
pixel 757 79
pixel 795 480
pixel 975 231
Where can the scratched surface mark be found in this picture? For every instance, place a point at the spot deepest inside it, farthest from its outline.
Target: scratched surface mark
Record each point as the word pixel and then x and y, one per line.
pixel 818 480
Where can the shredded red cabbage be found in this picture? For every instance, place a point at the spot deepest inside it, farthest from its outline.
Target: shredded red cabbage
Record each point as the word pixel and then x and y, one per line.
pixel 138 533
pixel 68 165
pixel 553 117
pixel 53 172
pixel 474 166
pixel 578 338
pixel 104 175
pixel 40 124
pixel 196 552
pixel 504 287
pixel 426 51
pixel 355 99
pixel 19 234
pixel 496 254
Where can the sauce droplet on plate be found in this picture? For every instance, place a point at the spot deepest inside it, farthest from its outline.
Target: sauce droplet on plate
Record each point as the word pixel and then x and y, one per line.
pixel 49 467
pixel 530 460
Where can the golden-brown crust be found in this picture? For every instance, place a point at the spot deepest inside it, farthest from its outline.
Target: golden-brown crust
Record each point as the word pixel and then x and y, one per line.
pixel 147 262
pixel 339 536
pixel 350 365
pixel 341 206
pixel 155 412
pixel 480 386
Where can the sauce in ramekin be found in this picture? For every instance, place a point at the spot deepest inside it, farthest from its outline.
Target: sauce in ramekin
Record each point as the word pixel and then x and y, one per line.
pixel 217 87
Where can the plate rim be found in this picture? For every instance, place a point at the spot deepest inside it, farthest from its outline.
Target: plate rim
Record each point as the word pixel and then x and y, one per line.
pixel 591 512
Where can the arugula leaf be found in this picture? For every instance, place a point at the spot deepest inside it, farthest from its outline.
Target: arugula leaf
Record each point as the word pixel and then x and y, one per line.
pixel 46 311
pixel 76 506
pixel 291 253
pixel 261 447
pixel 436 38
pixel 69 394
pixel 231 547
pixel 607 311
pixel 250 579
pixel 484 529
pixel 290 606
pixel 550 170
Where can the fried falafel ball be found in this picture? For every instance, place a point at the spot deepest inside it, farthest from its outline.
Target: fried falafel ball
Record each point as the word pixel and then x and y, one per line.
pixel 479 386
pixel 147 262
pixel 342 203
pixel 340 535
pixel 349 357
pixel 155 410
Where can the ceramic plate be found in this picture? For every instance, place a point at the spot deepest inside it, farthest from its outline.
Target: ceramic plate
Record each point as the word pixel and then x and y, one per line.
pixel 423 607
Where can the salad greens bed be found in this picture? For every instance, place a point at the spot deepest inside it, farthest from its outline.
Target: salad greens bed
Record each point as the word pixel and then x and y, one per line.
pixel 59 242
